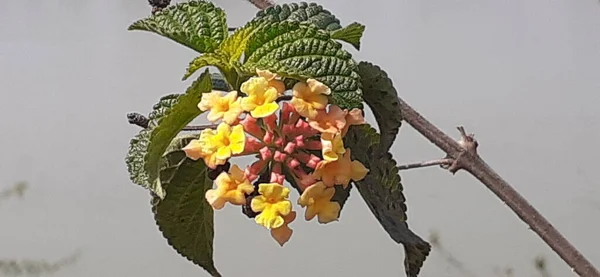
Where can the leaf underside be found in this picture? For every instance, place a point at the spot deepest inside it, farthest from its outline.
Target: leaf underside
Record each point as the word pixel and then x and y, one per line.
pixel 197 24
pixel 182 109
pixel 382 191
pixel 381 96
pixel 302 51
pixel 184 216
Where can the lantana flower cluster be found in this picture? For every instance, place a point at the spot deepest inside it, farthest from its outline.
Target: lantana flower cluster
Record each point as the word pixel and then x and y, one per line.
pixel 297 138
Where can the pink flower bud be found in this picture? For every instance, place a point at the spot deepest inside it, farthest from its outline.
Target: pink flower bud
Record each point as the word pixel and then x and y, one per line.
pixel 279 142
pixel 270 121
pixel 252 145
pixel 299 141
pixel 265 153
pixel 276 176
pixel 255 169
pixel 289 147
pixel 293 163
pixel 279 157
pixel 268 138
pixel 251 126
pixel 306 180
pixel 286 110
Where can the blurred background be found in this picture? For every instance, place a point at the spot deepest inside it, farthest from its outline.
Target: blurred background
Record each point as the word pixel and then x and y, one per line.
pixel 524 76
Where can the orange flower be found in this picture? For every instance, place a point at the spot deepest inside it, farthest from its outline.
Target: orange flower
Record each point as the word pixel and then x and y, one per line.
pixel 231 188
pixel 273 82
pixel 283 233
pixel 309 97
pixel 354 117
pixel 341 171
pixel 332 146
pixel 317 200
pixel 331 122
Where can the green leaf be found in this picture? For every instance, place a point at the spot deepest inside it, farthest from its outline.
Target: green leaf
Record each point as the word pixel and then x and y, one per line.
pixel 183 216
pixel 382 191
pixel 302 51
pixel 216 59
pixel 350 34
pixel 381 96
pixel 196 24
pixel 135 163
pixel 300 12
pixel 169 120
pixel 227 56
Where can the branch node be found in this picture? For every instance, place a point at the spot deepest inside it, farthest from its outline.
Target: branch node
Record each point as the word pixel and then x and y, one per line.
pixel 469 145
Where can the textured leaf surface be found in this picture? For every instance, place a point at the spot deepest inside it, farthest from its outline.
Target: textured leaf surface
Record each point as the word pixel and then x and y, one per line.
pixel 227 56
pixel 300 12
pixel 167 120
pixel 382 191
pixel 216 59
pixel 135 162
pixel 196 24
pixel 303 51
pixel 381 96
pixel 350 34
pixel 183 216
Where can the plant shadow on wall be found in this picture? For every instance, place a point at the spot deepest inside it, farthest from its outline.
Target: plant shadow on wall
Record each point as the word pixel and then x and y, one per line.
pixel 289 95
pixel 29 267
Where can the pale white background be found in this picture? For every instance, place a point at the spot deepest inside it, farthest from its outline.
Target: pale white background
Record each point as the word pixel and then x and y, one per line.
pixel 523 75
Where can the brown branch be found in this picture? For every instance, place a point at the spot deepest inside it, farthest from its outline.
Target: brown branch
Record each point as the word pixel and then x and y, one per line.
pixel 466 157
pixel 426 164
pixel 199 127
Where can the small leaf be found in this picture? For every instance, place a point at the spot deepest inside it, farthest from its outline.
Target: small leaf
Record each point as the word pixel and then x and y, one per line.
pixel 216 59
pixel 350 34
pixel 183 216
pixel 300 12
pixel 197 24
pixel 181 111
pixel 381 96
pixel 382 191
pixel 302 51
pixel 228 54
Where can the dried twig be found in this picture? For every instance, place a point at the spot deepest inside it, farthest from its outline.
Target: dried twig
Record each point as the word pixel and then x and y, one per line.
pixel 441 162
pixel 465 157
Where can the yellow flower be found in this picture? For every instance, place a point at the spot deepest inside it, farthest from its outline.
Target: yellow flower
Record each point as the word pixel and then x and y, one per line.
pixel 260 101
pixel 309 97
pixel 228 140
pixel 341 171
pixel 317 200
pixel 278 84
pixel 332 146
pixel 231 188
pixel 201 148
pixel 284 233
pixel 272 204
pixel 227 107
